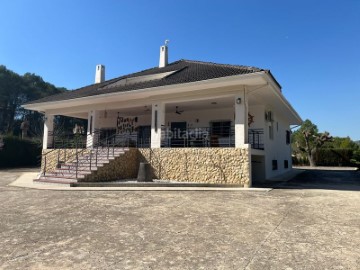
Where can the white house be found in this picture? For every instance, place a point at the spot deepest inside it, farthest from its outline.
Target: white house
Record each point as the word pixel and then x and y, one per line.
pixel 192 121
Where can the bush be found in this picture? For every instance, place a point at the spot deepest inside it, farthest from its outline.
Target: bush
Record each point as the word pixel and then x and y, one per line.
pixel 300 161
pixel 19 153
pixel 333 157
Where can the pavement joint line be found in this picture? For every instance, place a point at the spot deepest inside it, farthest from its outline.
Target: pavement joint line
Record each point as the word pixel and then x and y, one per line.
pixel 258 248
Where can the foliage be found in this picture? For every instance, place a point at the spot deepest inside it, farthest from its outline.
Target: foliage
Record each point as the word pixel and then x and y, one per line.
pixel 307 140
pixel 16 90
pixel 314 148
pixel 17 152
pixel 333 157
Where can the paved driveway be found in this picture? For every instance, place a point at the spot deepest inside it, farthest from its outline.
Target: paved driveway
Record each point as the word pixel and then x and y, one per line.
pixel 299 225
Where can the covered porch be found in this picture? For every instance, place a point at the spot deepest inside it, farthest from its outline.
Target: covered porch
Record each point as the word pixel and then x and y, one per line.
pixel 226 121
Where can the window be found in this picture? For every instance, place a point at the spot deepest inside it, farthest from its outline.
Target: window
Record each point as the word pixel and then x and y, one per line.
pixel 271 132
pixel 286 164
pixel 221 128
pixel 288 133
pixel 274 165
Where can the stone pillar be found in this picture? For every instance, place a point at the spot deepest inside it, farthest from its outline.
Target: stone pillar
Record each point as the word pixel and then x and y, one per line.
pixel 92 136
pixel 157 122
pixel 241 119
pixel 48 128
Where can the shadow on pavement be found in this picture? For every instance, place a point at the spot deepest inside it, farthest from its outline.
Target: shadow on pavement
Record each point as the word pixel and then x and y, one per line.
pixel 318 179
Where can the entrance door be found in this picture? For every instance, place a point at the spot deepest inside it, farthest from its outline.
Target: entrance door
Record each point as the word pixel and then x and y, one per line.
pixel 178 130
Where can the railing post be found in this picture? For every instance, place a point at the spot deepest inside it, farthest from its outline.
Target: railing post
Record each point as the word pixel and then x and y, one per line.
pixel 107 141
pixel 45 165
pixel 53 140
pixel 77 161
pixel 90 159
pixel 96 154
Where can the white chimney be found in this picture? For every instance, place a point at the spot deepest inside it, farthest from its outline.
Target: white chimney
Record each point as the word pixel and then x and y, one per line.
pixel 100 74
pixel 163 55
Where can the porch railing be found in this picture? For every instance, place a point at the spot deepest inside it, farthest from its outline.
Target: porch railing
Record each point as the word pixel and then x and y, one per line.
pixel 189 137
pixel 102 146
pixel 198 137
pixel 60 140
pixel 256 138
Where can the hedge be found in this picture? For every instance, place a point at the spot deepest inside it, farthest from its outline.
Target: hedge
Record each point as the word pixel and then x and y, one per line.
pixel 19 153
pixel 333 157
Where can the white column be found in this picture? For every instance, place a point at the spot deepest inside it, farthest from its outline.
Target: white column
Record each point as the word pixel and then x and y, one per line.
pixel 91 138
pixel 241 119
pixel 48 128
pixel 157 122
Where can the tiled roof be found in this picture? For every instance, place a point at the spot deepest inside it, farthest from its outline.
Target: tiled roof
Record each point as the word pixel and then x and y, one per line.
pixel 182 71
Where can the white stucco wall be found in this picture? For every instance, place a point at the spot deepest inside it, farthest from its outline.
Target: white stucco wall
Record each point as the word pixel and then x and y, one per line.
pixel 194 119
pixel 276 148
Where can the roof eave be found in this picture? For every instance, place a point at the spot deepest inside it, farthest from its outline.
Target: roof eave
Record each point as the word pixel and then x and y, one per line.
pixel 198 85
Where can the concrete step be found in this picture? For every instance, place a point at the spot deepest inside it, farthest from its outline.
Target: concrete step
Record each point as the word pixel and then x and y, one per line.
pixel 69 173
pixel 55 180
pixel 80 168
pixel 85 163
pixel 65 175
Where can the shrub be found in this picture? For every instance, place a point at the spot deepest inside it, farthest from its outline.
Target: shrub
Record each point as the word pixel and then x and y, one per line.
pixel 333 157
pixel 19 153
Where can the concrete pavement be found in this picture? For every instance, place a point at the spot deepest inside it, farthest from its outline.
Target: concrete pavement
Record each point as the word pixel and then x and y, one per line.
pixel 295 226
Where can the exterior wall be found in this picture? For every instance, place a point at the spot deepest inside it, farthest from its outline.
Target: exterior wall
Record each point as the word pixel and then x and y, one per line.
pixel 206 165
pixel 203 165
pixel 110 120
pixel 123 167
pixel 53 155
pixel 200 118
pixel 258 113
pixel 276 148
pixel 195 118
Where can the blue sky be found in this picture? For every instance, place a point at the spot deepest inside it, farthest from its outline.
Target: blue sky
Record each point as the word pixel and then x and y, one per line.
pixel 311 47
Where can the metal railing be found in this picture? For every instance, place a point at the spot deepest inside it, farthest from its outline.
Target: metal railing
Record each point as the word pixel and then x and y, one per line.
pixel 256 138
pixel 104 146
pixel 198 137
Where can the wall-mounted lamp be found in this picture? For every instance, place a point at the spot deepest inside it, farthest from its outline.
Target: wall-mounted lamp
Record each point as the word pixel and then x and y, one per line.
pixel 238 101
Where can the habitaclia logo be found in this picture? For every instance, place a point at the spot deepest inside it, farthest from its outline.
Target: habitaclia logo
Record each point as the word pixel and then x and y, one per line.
pixel 191 134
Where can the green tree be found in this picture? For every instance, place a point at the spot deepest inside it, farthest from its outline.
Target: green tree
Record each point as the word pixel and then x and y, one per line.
pixel 16 90
pixel 307 139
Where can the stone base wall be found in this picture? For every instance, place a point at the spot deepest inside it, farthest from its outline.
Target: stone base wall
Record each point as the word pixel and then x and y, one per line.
pixel 206 165
pixel 123 167
pixel 53 155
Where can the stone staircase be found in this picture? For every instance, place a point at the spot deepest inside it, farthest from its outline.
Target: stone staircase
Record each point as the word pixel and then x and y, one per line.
pixel 74 171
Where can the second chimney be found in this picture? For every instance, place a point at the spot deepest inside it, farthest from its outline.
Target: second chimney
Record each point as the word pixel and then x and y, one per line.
pixel 163 56
pixel 100 74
